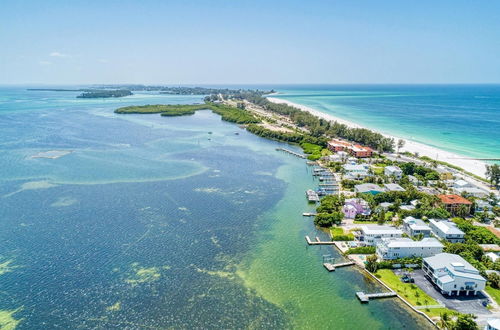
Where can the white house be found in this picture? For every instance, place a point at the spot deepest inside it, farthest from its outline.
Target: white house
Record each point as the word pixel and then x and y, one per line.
pixel 492 255
pixel 473 191
pixel 462 184
pixel 405 247
pixel 452 274
pixel 358 171
pixel 393 187
pixel 393 171
pixel 414 227
pixel 370 235
pixel 492 324
pixel 447 230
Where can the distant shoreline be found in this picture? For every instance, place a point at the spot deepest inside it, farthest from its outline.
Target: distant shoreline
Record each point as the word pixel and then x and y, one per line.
pixel 476 167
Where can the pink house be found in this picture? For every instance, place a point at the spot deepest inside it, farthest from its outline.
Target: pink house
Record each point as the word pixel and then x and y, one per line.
pixel 355 206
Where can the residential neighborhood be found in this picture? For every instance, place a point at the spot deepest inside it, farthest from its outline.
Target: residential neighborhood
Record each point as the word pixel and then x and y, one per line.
pixel 418 223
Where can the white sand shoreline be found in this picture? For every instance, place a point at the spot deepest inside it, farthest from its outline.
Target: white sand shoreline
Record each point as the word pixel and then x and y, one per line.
pixel 474 166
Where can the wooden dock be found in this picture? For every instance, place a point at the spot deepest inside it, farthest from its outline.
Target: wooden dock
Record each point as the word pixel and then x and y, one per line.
pixel 331 267
pixel 291 152
pixel 365 297
pixel 318 241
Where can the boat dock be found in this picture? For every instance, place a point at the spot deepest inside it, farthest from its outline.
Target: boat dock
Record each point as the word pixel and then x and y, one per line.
pixel 291 152
pixel 331 267
pixel 317 241
pixel 312 196
pixel 365 297
pixel 308 214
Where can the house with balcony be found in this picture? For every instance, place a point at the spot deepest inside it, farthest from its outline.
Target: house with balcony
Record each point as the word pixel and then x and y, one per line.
pixel 390 248
pixel 453 203
pixel 393 171
pixel 372 234
pixel 414 227
pixel 447 230
pixel 453 275
pixel 355 206
pixel 356 172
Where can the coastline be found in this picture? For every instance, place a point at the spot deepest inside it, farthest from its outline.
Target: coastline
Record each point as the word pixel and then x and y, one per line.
pixel 474 166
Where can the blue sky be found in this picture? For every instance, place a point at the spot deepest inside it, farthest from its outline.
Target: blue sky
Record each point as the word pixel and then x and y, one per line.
pixel 239 41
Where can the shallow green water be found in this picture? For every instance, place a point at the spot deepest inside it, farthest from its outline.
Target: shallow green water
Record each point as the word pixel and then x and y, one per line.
pixel 151 222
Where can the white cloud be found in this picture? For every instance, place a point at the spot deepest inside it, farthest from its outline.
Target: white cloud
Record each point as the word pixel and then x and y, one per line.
pixel 45 63
pixel 57 54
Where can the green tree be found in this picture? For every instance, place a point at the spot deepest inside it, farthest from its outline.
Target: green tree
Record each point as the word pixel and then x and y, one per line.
pixel 371 263
pixel 401 144
pixel 465 322
pixel 494 280
pixel 493 174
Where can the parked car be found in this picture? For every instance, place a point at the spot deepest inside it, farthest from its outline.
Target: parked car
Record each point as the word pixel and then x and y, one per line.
pixel 407 279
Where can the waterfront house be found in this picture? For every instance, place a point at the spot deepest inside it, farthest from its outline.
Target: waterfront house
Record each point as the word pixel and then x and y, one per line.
pixel 393 171
pixel 368 188
pixel 356 172
pixel 336 145
pixel 356 150
pixel 372 234
pixel 355 206
pixel 395 248
pixel 447 230
pixel 339 157
pixel 452 203
pixel 393 187
pixel 360 151
pixel 453 275
pixel 414 227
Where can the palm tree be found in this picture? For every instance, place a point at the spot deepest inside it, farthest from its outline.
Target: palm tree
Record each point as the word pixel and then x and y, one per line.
pixel 462 210
pixel 445 321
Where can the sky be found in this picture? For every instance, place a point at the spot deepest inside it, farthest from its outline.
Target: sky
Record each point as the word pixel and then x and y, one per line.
pixel 249 42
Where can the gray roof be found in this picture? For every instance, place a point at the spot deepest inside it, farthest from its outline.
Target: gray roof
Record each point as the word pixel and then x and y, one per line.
pixel 393 187
pixel 447 227
pixel 416 224
pixel 366 187
pixel 454 264
pixel 380 230
pixel 408 243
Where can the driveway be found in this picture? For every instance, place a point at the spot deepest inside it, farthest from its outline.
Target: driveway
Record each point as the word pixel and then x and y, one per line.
pixel 463 304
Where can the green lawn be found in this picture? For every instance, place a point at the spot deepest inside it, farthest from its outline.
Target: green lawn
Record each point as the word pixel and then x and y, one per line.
pixel 338 234
pixel 494 293
pixel 433 312
pixel 378 170
pixel 412 293
pixel 337 231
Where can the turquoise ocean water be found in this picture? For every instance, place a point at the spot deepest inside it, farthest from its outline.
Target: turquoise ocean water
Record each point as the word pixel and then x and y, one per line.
pixel 464 119
pixel 153 223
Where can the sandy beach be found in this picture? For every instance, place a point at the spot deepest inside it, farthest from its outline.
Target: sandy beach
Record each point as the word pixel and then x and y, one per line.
pixel 473 166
